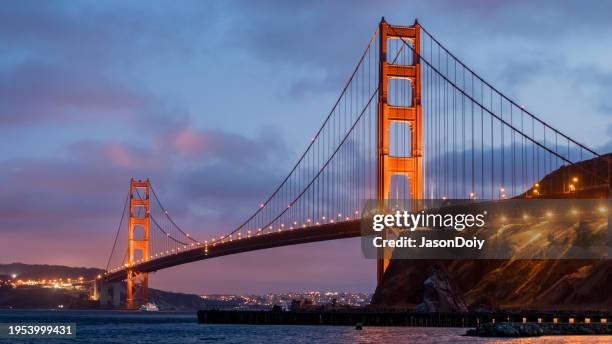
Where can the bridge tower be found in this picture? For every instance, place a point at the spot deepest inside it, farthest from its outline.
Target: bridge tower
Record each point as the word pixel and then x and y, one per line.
pixel 138 282
pixel 388 165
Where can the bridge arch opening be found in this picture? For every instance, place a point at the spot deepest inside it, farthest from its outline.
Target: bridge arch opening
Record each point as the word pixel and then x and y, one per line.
pixel 398 52
pixel 139 192
pixel 400 187
pixel 139 254
pixel 140 211
pixel 139 232
pixel 400 139
pixel 399 92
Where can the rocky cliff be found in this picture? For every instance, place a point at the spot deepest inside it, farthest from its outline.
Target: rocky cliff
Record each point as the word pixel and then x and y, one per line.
pixel 497 284
pixel 482 285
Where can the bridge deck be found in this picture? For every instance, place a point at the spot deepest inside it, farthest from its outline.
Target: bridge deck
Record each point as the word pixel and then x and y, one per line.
pixel 342 230
pixel 323 232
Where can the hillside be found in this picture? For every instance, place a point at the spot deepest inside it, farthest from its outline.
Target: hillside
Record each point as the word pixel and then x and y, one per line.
pixel 481 285
pixel 497 284
pixel 45 298
pixel 36 271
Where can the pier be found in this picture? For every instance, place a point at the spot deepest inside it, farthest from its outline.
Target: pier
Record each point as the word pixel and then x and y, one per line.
pixel 369 317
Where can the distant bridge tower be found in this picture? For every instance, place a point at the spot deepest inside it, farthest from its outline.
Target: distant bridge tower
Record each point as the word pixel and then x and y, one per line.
pixel 408 166
pixel 138 242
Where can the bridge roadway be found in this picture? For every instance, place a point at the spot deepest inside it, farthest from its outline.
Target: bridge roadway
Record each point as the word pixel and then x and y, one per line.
pixel 323 232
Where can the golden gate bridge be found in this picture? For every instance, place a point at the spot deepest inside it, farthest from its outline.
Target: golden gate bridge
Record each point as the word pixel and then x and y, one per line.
pixel 412 122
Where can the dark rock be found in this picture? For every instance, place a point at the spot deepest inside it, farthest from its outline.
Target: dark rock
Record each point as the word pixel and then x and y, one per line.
pixel 440 294
pixel 506 330
pixel 530 330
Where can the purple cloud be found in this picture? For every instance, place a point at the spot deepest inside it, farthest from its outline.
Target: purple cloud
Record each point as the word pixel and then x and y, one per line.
pixel 33 93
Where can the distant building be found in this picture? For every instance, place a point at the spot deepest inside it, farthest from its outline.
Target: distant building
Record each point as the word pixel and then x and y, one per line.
pixel 329 299
pixel 5 280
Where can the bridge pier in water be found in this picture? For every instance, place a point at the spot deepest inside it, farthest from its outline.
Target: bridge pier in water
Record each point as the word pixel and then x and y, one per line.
pixel 108 294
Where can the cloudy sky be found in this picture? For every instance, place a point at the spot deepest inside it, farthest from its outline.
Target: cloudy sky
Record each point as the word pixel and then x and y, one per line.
pixel 214 101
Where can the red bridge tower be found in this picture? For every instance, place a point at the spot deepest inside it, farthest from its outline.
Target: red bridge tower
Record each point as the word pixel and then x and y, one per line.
pixel 138 242
pixel 408 166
